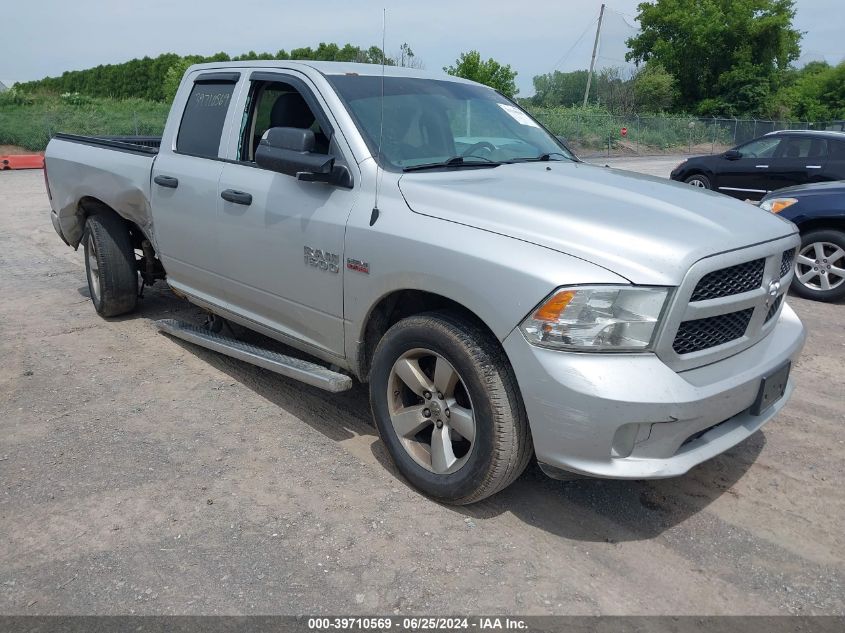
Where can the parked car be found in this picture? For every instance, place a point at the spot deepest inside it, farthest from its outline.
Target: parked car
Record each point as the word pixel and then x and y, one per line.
pixel 819 212
pixel 771 162
pixel 424 234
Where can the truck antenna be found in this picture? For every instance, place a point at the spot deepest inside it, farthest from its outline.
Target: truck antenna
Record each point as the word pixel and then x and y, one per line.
pixel 374 215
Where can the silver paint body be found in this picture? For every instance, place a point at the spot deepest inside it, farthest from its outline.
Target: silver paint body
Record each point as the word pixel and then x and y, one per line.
pixel 497 241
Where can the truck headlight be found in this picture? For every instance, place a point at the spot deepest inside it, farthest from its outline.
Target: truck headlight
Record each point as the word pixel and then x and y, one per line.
pixel 776 205
pixel 597 318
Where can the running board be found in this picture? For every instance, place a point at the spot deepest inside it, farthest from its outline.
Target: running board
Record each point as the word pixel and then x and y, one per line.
pixel 301 370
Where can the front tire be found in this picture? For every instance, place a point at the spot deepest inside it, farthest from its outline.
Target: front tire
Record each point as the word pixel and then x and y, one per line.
pixel 110 265
pixel 820 266
pixel 699 180
pixel 448 408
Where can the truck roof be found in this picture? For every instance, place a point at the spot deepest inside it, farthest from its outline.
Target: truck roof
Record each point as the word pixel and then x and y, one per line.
pixel 334 68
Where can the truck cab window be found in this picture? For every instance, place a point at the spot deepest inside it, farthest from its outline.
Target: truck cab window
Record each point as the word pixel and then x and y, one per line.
pixel 276 104
pixel 203 119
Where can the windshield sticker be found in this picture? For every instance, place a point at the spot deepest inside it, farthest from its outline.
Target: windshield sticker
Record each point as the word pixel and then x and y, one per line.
pixel 517 115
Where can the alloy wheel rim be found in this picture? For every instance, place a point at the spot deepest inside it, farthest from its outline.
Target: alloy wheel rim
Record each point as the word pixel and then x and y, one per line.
pixel 695 182
pixel 93 268
pixel 431 411
pixel 820 266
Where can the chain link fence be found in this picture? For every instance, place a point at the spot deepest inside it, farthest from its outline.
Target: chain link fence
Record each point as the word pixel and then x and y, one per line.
pixel 591 134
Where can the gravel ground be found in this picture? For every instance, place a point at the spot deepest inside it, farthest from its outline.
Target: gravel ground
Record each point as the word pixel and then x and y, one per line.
pixel 141 475
pixel 652 165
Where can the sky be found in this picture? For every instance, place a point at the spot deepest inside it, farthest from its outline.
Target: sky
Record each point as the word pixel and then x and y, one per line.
pixel 46 37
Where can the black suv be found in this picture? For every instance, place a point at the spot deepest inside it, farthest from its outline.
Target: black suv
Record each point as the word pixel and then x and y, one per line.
pixel 776 160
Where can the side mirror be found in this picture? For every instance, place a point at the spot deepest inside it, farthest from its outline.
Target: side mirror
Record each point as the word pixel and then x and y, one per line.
pixel 733 154
pixel 290 151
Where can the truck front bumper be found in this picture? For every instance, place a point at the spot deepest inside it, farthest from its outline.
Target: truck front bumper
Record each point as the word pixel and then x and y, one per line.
pixel 630 416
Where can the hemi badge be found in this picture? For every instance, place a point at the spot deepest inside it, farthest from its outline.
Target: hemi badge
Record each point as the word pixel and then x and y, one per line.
pixel 357 265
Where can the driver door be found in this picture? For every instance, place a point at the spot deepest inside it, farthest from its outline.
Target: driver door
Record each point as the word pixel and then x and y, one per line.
pixel 748 176
pixel 282 239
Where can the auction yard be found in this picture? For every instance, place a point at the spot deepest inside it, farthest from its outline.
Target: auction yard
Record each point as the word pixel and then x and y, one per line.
pixel 140 474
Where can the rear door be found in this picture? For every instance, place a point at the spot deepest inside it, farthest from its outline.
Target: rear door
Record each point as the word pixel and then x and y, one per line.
pixel 282 243
pixel 834 169
pixel 184 188
pixel 799 159
pixel 747 177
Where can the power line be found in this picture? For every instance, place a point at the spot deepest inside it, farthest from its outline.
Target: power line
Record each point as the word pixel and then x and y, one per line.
pixel 578 41
pixel 626 15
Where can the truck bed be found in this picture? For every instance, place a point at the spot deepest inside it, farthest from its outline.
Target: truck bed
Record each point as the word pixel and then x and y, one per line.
pixel 144 144
pixel 112 170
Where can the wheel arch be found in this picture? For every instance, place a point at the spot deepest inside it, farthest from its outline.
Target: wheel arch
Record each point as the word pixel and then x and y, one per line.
pixel 700 171
pixel 397 305
pixel 830 223
pixel 90 205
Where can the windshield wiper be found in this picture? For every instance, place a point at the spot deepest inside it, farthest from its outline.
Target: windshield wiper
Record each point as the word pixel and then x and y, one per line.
pixel 455 161
pixel 541 158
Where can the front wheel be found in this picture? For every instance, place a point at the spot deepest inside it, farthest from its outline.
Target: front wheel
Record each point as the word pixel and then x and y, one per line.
pixel 447 407
pixel 820 266
pixel 698 180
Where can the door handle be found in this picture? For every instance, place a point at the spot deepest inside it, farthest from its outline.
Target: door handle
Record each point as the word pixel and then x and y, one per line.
pixel 761 166
pixel 238 197
pixel 814 166
pixel 166 181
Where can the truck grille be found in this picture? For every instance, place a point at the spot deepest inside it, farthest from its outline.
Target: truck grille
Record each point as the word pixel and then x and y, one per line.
pixel 773 309
pixel 730 281
pixel 786 261
pixel 694 336
pixel 727 303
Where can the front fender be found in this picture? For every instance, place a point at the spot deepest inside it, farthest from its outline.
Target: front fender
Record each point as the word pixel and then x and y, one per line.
pixel 498 278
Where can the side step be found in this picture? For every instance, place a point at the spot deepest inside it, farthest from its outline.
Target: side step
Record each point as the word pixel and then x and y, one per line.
pixel 301 370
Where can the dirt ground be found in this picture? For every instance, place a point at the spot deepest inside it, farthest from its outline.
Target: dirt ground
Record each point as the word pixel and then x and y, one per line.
pixel 142 475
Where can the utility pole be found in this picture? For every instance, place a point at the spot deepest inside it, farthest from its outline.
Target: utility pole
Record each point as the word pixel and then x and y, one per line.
pixel 593 60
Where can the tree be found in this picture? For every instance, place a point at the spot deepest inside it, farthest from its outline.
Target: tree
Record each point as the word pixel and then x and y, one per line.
pixel 654 89
pixel 833 91
pixel 491 73
pixel 559 89
pixel 173 76
pixel 157 79
pixel 732 53
pixel 406 58
pixel 815 92
pixel 613 91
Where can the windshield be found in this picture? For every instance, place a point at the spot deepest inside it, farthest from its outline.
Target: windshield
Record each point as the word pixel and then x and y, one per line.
pixel 429 121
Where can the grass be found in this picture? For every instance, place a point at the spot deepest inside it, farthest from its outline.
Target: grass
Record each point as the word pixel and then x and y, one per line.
pixel 30 120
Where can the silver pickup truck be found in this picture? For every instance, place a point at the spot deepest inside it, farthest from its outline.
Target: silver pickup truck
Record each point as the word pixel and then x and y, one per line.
pixel 425 235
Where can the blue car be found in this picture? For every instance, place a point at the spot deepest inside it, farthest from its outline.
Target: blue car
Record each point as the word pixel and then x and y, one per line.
pixel 819 211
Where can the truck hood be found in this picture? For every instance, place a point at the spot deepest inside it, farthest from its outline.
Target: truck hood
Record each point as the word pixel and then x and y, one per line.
pixel 646 229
